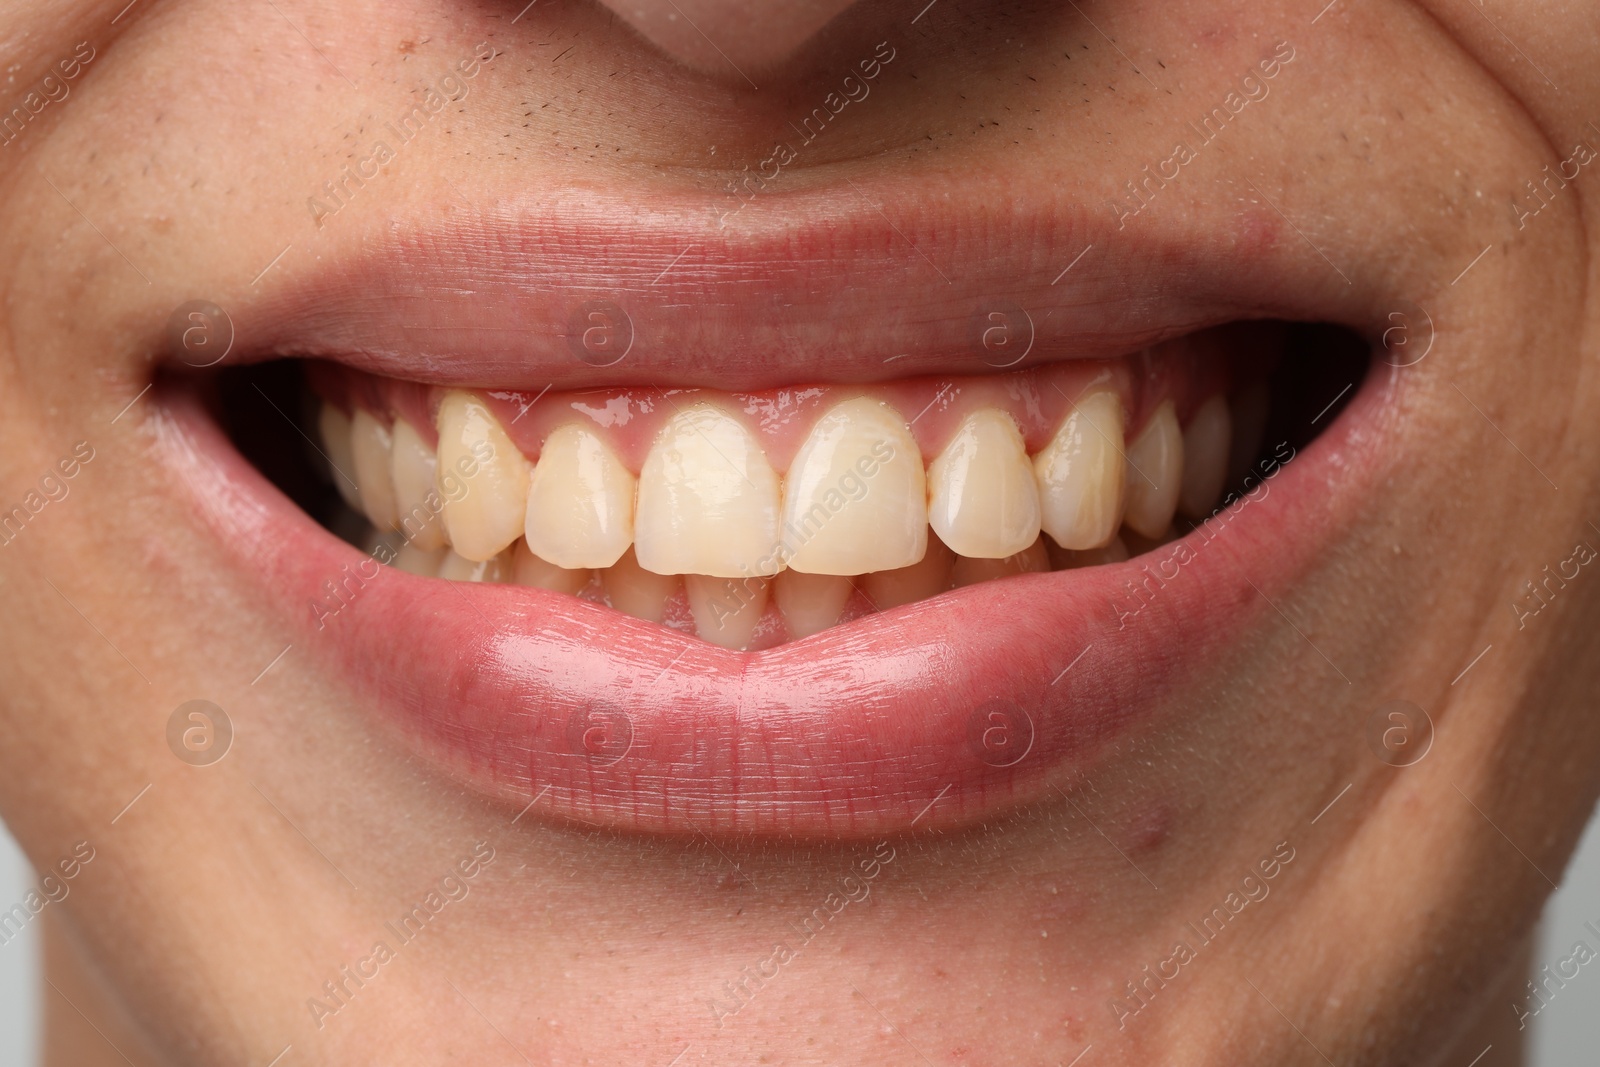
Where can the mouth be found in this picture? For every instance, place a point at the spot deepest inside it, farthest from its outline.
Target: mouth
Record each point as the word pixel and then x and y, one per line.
pixel 829 599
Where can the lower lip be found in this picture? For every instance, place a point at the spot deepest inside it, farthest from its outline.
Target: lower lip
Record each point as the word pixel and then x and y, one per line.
pixel 937 714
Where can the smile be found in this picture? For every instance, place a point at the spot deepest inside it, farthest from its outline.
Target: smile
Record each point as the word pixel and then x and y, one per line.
pixel 864 599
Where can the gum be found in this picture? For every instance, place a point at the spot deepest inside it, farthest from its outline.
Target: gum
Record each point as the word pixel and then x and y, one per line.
pixel 1187 370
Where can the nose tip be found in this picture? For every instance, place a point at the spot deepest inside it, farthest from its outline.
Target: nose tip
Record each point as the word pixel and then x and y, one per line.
pixel 728 38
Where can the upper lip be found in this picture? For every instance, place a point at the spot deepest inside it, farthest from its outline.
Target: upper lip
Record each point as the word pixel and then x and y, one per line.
pixel 857 283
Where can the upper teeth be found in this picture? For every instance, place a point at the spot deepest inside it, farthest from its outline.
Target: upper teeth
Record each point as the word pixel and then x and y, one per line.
pixel 856 501
pixel 1155 474
pixel 982 500
pixel 580 501
pixel 1080 473
pixel 488 510
pixel 708 499
pixel 856 498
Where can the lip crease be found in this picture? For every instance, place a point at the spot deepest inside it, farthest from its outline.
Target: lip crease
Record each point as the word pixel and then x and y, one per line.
pixel 884 724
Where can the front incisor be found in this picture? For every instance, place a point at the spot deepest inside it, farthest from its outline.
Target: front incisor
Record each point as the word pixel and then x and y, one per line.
pixel 482 478
pixel 1080 474
pixel 726 610
pixel 810 603
pixel 635 591
pixel 982 500
pixel 708 500
pixel 856 498
pixel 580 501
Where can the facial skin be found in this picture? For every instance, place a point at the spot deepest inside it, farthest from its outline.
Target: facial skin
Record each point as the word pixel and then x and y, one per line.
pixel 178 166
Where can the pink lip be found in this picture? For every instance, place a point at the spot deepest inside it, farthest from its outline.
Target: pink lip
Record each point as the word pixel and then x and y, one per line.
pixel 876 726
pixel 816 287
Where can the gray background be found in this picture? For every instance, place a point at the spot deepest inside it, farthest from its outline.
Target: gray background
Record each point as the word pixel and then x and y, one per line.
pixel 1565 1034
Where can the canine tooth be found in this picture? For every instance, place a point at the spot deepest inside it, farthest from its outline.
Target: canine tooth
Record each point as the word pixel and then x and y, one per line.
pixel 1206 441
pixel 856 495
pixel 529 569
pixel 982 500
pixel 482 478
pixel 414 467
pixel 635 591
pixel 333 426
pixel 370 448
pixel 458 568
pixel 810 603
pixel 413 559
pixel 708 500
pixel 1080 474
pixel 1155 473
pixel 580 501
pixel 970 571
pixel 726 610
pixel 928 577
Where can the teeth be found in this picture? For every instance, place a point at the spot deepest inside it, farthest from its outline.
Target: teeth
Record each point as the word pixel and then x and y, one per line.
pixel 969 571
pixel 635 591
pixel 928 577
pixel 416 560
pixel 458 568
pixel 708 500
pixel 810 603
pixel 1155 473
pixel 482 478
pixel 333 426
pixel 856 496
pixel 414 468
pixel 1206 441
pixel 726 610
pixel 982 498
pixel 370 447
pixel 529 569
pixel 1080 474
pixel 709 516
pixel 580 501
pixel 1061 559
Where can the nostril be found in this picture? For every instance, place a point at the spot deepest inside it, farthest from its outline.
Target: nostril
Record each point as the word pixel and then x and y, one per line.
pixel 736 39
